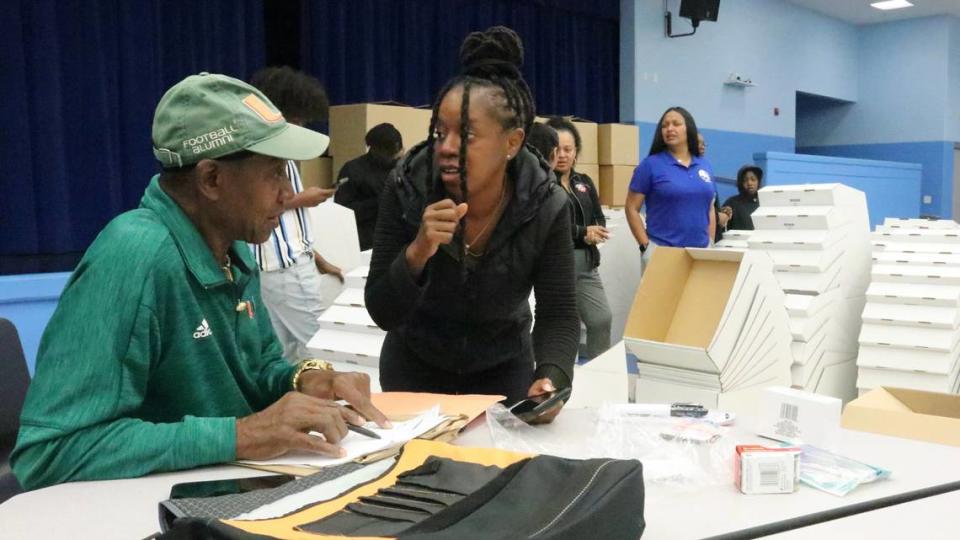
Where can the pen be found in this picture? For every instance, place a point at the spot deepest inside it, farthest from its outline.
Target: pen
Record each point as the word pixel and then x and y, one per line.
pixel 362 431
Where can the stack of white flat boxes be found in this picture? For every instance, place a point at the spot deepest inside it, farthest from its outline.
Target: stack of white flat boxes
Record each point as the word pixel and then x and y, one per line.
pixel 911 323
pixel 818 236
pixel 708 326
pixel 735 239
pixel 347 333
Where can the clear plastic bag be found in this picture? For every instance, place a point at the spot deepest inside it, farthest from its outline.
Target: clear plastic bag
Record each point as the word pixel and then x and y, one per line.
pixel 680 453
pixel 835 474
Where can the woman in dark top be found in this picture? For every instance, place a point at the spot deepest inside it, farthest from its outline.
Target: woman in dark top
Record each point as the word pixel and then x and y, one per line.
pixel 742 205
pixel 589 230
pixel 469 223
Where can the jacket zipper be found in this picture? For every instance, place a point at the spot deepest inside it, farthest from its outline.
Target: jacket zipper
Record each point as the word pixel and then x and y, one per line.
pixel 572 501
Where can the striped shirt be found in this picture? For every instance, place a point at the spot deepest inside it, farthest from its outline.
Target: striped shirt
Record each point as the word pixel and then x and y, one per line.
pixel 291 238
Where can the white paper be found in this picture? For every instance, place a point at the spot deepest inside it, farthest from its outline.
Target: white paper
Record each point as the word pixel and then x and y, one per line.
pixel 358 445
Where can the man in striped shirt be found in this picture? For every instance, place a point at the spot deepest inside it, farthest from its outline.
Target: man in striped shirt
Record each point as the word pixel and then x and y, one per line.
pixel 297 283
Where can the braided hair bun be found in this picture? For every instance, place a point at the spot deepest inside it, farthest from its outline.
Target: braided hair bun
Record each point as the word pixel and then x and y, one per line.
pixel 497 51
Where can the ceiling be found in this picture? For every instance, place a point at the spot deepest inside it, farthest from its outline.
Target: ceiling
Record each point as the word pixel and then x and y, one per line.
pixel 860 12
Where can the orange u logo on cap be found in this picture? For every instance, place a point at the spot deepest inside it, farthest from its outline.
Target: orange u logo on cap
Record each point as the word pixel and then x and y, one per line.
pixel 263 110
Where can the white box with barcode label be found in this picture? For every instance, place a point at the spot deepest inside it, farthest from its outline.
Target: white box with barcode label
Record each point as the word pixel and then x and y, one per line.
pixel 761 470
pixel 797 417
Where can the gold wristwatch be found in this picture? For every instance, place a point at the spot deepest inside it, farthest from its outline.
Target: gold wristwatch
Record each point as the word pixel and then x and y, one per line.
pixel 307 365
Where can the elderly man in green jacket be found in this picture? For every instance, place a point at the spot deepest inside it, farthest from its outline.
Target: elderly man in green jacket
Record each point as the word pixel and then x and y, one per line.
pixel 160 355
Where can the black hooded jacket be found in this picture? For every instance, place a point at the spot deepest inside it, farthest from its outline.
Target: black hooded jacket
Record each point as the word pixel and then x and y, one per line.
pixel 743 204
pixel 468 321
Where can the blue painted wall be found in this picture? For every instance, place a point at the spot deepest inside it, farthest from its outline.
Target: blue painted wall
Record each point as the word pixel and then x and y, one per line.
pixel 953 76
pixel 28 301
pixel 907 86
pixel 936 159
pixel 754 38
pixel 892 188
pixel 726 150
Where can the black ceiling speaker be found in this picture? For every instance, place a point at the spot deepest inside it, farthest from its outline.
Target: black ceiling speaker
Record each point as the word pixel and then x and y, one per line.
pixel 699 10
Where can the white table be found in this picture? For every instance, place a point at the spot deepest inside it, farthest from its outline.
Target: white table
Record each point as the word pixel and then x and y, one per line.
pixel 128 508
pixel 723 510
pixel 931 518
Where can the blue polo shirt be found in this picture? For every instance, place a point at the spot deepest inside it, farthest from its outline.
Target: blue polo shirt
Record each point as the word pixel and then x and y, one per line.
pixel 679 199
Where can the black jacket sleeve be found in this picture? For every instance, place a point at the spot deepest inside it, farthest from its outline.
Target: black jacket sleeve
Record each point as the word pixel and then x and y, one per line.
pixel 392 293
pixel 351 194
pixel 556 330
pixel 598 216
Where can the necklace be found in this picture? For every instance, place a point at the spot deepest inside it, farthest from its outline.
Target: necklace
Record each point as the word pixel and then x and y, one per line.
pixel 491 219
pixel 226 268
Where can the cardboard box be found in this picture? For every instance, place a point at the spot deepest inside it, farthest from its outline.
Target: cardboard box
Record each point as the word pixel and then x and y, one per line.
pixel 349 125
pixel 910 414
pixel 614 184
pixel 317 172
pixel 693 306
pixel 618 144
pixel 588 140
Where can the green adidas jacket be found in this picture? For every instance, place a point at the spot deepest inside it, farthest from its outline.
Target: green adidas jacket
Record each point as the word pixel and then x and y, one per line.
pixel 148 359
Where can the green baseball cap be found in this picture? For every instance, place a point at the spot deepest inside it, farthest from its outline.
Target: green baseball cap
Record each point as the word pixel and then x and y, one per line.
pixel 208 116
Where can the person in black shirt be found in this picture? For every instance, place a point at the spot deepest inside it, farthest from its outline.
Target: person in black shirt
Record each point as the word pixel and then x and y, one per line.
pixel 470 222
pixel 742 205
pixel 360 180
pixel 589 229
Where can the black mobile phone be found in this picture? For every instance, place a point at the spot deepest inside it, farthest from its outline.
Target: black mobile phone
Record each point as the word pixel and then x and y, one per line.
pixel 532 407
pixel 213 488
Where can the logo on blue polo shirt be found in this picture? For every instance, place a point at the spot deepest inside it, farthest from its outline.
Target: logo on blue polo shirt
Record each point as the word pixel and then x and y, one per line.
pixel 704 175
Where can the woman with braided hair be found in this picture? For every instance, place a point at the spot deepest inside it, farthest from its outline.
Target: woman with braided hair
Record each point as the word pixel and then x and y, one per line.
pixel 470 222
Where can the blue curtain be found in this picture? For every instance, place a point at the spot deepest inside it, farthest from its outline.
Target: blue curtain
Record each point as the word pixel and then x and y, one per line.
pixel 80 83
pixel 404 50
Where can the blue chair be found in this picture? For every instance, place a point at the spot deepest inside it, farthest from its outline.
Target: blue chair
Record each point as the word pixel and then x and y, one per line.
pixel 14 380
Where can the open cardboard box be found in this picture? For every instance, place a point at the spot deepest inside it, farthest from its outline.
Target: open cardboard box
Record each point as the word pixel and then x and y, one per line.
pixel 911 414
pixel 694 307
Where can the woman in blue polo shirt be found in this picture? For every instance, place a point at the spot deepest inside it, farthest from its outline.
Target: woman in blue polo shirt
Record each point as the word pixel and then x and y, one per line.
pixel 676 184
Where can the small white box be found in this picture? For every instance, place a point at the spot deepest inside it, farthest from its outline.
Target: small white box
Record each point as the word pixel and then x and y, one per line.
pixel 347 318
pixel 915 223
pixel 907 315
pixel 759 469
pixel 914 294
pixel 350 297
pixel 916 380
pixel 357 278
pixel 934 236
pixel 921 275
pixel 799 217
pixel 811 195
pixel 923 259
pixel 908 337
pixel 886 244
pixel 798 417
